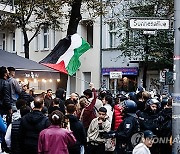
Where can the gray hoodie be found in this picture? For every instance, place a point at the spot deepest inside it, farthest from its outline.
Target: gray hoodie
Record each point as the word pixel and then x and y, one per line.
pixel 141 148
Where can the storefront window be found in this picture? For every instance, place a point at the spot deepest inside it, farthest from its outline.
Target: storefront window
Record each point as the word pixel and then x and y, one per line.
pixel 127 84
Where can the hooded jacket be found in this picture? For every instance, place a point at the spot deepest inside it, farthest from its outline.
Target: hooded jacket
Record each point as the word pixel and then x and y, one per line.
pixel 141 148
pixel 30 127
pixel 78 129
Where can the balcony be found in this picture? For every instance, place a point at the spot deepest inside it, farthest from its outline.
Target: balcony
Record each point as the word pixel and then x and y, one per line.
pixel 7 6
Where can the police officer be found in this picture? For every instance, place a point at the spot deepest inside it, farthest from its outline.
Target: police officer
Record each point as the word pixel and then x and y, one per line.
pixel 127 128
pixel 149 119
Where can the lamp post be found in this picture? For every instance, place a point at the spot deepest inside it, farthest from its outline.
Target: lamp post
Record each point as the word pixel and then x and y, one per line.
pixel 146 49
pixel 176 92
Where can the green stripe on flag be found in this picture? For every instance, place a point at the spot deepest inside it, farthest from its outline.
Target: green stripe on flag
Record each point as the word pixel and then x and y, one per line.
pixel 74 62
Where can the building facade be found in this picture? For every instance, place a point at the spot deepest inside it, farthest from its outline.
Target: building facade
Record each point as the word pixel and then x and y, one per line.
pixel 43 44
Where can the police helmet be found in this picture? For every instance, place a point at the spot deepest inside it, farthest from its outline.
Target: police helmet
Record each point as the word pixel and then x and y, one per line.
pixel 129 106
pixel 152 101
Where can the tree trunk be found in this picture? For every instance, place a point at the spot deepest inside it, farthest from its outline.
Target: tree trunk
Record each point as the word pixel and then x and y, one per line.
pixel 26 50
pixel 26 44
pixel 75 17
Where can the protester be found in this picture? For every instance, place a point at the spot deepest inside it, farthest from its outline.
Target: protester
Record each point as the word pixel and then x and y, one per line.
pixel 26 96
pixel 61 94
pixel 48 98
pixel 15 88
pixel 5 97
pixel 98 127
pixel 55 106
pixel 55 139
pixel 3 128
pixel 147 142
pixel 30 127
pixel 127 128
pixel 89 93
pixel 78 130
pixel 12 133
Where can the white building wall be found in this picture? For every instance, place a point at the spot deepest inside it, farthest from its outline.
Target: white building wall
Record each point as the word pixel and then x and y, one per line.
pixel 90 61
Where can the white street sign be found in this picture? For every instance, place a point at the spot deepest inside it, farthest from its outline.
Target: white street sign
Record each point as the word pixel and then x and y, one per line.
pixel 149 32
pixel 115 75
pixel 149 24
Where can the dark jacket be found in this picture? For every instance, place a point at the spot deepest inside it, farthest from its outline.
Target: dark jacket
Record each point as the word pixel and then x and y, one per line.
pixel 59 94
pixel 78 131
pixel 30 127
pixel 125 131
pixel 53 108
pixel 165 118
pixel 27 97
pixel 148 121
pixel 48 101
pixel 5 98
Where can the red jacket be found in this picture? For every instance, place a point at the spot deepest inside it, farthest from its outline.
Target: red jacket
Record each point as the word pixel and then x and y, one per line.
pixel 118 118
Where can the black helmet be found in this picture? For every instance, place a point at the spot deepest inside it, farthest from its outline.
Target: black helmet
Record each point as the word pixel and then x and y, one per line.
pixel 129 106
pixel 152 101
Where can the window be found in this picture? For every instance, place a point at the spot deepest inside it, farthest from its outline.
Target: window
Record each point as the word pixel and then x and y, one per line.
pixel 90 34
pixel 13 43
pixel 46 38
pixel 37 43
pixel 4 42
pixel 87 78
pixel 112 34
pixel 87 31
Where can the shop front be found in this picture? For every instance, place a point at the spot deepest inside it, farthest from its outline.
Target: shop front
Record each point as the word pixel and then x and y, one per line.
pixel 127 83
pixel 37 76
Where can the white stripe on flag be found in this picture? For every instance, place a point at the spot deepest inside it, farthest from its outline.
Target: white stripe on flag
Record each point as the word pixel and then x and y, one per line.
pixel 76 42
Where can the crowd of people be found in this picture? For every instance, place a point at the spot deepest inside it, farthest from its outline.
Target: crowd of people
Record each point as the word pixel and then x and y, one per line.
pixel 93 123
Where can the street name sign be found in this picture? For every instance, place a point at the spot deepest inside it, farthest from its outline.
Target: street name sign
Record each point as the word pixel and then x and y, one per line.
pixel 149 24
pixel 115 75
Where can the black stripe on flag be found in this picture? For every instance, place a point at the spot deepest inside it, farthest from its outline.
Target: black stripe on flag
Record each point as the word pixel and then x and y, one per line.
pixel 58 51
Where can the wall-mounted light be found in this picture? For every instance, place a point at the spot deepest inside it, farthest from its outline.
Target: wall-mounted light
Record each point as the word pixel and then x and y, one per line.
pixel 17 79
pixel 43 80
pixel 58 80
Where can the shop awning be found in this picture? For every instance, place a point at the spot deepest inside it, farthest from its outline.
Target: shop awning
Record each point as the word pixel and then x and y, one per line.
pixel 11 59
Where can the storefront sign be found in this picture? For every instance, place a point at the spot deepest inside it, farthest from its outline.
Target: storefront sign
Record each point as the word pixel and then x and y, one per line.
pixel 115 75
pixel 124 70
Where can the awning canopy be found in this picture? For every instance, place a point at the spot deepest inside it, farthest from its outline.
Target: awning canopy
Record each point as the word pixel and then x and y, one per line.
pixel 10 59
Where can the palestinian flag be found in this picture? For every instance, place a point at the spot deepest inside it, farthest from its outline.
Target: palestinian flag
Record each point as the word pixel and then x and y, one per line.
pixel 65 55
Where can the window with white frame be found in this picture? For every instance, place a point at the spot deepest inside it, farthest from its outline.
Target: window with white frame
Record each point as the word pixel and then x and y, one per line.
pixel 37 43
pixel 87 78
pixel 87 31
pixel 4 41
pixel 112 34
pixel 46 37
pixel 13 43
